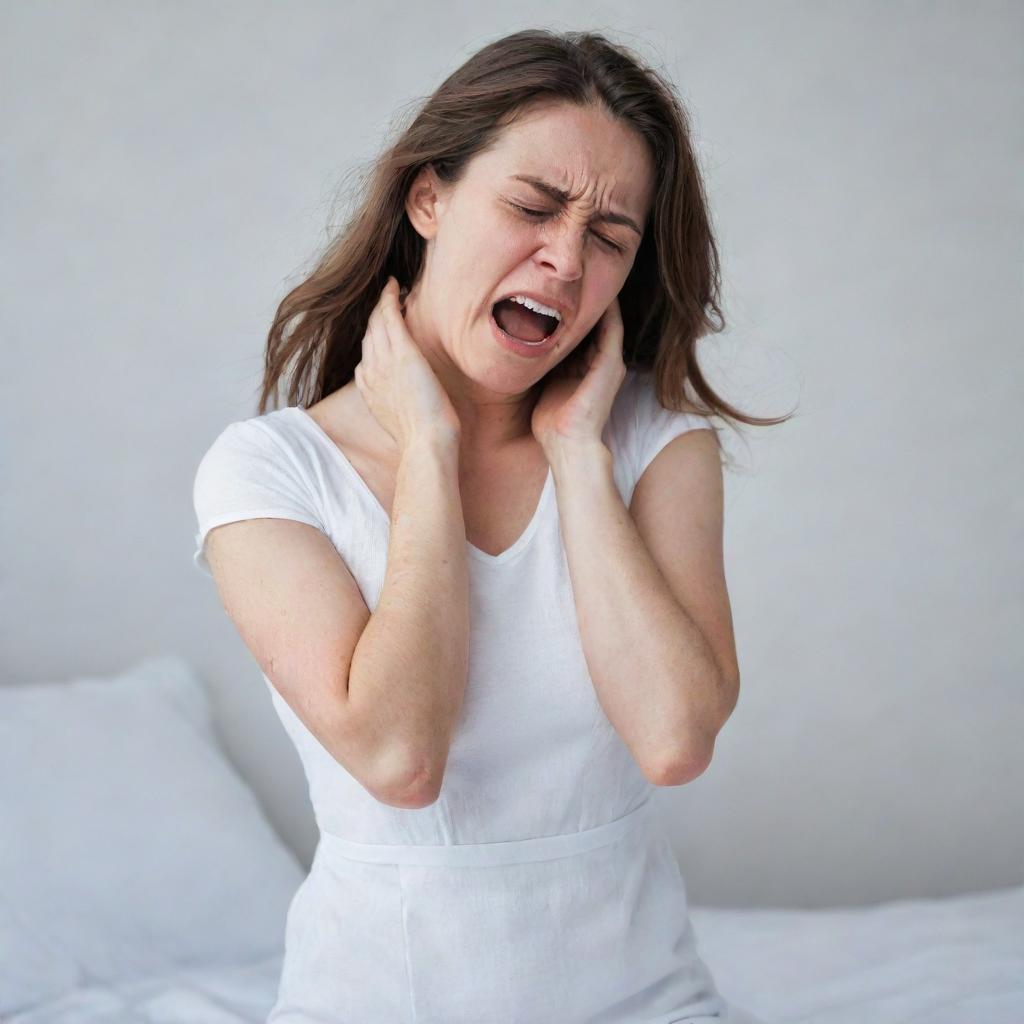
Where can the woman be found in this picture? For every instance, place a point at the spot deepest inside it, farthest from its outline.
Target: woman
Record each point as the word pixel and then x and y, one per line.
pixel 488 637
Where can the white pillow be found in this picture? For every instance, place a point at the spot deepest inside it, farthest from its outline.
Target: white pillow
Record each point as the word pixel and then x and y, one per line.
pixel 129 845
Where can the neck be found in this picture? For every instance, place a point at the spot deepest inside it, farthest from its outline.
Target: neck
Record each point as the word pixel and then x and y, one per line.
pixel 490 419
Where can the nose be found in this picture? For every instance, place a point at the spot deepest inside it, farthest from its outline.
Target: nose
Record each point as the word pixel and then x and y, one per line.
pixel 563 251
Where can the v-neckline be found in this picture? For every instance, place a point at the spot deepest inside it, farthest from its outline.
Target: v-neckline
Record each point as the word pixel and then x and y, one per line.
pixel 518 545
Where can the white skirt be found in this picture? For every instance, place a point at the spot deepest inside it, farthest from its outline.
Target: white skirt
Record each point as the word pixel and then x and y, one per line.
pixel 586 928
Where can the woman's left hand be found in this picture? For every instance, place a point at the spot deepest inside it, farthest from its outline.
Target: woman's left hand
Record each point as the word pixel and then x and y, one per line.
pixel 578 393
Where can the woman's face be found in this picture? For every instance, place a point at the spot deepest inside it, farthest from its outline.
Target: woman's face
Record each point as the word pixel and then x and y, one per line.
pixel 482 245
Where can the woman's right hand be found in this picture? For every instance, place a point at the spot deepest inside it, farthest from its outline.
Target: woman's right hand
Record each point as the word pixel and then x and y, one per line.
pixel 395 380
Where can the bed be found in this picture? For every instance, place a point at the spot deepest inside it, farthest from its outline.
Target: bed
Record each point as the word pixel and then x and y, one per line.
pixel 141 882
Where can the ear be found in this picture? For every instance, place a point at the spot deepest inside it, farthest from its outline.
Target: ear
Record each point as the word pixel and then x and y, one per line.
pixel 425 202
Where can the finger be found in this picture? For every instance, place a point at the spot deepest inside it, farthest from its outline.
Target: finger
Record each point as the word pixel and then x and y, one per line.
pixel 377 327
pixel 370 345
pixel 374 351
pixel 611 331
pixel 391 315
pixel 608 347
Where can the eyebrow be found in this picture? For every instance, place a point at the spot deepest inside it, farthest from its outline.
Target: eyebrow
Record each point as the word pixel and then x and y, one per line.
pixel 562 196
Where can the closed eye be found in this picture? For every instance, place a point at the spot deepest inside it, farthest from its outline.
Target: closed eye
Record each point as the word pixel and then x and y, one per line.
pixel 544 213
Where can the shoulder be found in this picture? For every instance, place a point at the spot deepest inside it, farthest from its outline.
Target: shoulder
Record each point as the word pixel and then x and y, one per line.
pixel 646 425
pixel 644 398
pixel 257 436
pixel 258 450
pixel 254 469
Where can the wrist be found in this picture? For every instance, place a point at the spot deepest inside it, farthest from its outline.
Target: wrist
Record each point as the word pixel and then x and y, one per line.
pixel 438 445
pixel 585 457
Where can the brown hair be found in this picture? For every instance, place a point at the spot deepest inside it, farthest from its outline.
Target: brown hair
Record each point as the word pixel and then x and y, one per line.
pixel 672 290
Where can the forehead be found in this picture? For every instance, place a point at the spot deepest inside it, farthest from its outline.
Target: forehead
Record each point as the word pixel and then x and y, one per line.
pixel 582 150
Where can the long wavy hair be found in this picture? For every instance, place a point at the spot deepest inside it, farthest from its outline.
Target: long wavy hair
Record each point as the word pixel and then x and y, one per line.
pixel 671 297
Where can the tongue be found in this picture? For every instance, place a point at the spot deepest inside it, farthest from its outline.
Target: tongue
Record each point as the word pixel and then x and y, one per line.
pixel 522 323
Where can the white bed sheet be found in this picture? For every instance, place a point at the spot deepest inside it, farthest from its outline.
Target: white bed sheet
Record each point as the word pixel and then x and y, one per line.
pixel 212 995
pixel 958 960
pixel 952 961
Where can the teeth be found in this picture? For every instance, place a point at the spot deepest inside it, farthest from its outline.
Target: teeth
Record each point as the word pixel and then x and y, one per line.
pixel 536 306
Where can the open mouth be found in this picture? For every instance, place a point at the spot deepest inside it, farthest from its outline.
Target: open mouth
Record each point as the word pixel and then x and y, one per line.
pixel 522 324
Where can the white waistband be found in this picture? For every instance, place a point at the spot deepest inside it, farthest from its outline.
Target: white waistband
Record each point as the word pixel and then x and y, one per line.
pixel 515 851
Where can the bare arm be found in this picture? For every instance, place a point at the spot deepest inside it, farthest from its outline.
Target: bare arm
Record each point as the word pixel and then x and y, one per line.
pixel 656 629
pixel 655 672
pixel 408 674
pixel 380 692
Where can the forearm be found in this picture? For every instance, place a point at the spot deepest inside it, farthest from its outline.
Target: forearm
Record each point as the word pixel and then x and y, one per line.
pixel 408 674
pixel 653 671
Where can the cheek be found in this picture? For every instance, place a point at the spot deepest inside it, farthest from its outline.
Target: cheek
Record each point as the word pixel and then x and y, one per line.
pixel 487 247
pixel 514 241
pixel 603 284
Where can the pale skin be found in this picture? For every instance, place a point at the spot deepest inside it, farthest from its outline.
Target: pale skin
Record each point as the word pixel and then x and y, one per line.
pixel 435 389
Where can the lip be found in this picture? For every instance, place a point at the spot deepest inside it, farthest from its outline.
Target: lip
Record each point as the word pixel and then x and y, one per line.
pixel 523 348
pixel 545 300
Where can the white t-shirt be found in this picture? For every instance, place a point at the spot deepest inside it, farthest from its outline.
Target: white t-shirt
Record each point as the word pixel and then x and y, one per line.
pixel 523 628
pixel 275 466
pixel 534 762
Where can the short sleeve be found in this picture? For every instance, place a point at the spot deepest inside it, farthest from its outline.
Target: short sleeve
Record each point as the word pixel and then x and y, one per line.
pixel 656 425
pixel 248 473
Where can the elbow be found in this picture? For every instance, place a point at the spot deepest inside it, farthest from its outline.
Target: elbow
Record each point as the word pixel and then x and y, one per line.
pixel 688 760
pixel 396 772
pixel 682 768
pixel 412 789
